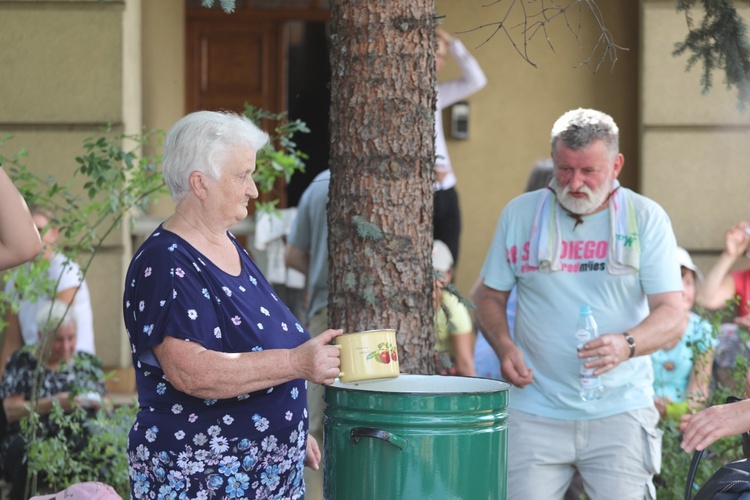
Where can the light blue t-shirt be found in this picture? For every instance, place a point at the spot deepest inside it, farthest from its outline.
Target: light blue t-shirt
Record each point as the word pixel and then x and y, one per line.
pixel 549 303
pixel 672 368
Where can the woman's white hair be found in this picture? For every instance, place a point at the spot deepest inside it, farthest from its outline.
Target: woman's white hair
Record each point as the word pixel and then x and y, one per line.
pixel 52 313
pixel 200 142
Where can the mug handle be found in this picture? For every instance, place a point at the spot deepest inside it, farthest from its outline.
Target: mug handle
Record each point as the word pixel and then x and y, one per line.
pixel 341 374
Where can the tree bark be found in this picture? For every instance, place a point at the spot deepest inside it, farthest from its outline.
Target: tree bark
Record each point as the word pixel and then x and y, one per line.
pixel 382 156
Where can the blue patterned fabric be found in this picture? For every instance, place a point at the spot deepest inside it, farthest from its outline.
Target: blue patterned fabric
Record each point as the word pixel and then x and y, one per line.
pixel 251 446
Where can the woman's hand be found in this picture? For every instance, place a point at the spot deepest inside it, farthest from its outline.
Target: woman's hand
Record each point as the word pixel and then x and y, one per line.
pixel 312 455
pixel 317 360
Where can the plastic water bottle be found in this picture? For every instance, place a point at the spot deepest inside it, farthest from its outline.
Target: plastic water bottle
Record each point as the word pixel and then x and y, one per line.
pixel 590 387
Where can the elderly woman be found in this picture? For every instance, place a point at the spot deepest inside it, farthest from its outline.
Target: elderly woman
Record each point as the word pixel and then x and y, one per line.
pixel 221 363
pixel 68 377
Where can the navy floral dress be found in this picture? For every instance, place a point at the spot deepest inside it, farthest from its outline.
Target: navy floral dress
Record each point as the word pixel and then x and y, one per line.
pixel 183 447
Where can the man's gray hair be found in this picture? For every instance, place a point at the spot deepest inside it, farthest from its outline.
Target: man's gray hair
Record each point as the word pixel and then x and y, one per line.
pixel 52 313
pixel 580 127
pixel 201 141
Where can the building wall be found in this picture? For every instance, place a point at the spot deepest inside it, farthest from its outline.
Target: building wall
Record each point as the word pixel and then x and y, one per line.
pixel 62 66
pixel 695 147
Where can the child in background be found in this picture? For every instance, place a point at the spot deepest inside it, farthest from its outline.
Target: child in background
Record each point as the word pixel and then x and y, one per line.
pixel 454 342
pixel 682 369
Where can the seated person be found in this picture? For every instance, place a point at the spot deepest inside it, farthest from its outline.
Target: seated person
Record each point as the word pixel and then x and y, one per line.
pixel 453 328
pixel 727 290
pixel 682 368
pixel 69 377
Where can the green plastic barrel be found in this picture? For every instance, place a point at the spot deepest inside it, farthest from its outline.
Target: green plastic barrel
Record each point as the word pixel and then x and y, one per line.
pixel 416 437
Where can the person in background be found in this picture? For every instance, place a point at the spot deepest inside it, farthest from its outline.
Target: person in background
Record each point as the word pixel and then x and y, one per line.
pixel 453 329
pixel 221 363
pixel 584 241
pixel 70 377
pixel 485 360
pixel 721 284
pixel 447 214
pixel 682 368
pixel 727 290
pixel 307 252
pixel 70 287
pixel 19 238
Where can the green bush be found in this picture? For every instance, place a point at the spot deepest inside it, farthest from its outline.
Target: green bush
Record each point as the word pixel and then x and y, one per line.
pixel 82 448
pixel 671 482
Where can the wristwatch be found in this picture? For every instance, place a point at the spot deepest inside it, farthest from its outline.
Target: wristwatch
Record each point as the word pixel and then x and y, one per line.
pixel 631 343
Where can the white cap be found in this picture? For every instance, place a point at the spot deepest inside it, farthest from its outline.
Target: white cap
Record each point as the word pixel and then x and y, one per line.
pixel 683 257
pixel 442 259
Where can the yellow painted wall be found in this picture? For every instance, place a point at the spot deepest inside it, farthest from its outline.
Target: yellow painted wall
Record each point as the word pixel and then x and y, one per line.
pixel 62 79
pixel 69 67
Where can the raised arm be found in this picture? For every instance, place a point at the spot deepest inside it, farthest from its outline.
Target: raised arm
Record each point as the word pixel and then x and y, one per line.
pixel 19 238
pixel 472 77
pixel 718 286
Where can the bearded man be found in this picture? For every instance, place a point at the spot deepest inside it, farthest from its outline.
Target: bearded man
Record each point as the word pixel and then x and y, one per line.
pixel 583 240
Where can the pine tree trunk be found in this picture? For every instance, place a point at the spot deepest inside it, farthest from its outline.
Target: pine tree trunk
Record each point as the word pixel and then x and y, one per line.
pixel 382 155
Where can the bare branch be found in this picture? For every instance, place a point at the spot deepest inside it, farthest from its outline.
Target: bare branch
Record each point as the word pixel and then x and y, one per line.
pixel 535 17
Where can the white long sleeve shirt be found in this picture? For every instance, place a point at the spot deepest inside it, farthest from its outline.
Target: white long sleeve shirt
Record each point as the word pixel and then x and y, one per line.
pixel 449 92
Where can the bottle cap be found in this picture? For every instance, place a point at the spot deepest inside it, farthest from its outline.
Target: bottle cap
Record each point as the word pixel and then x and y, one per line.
pixel 585 310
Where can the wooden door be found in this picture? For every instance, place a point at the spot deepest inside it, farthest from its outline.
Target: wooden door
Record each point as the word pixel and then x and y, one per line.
pixel 232 62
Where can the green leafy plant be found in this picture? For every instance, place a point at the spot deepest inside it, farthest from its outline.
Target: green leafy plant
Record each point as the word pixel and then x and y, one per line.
pixel 82 449
pixel 719 42
pixel 281 157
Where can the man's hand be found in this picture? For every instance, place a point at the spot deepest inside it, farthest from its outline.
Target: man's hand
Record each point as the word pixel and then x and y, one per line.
pixel 610 349
pixel 514 367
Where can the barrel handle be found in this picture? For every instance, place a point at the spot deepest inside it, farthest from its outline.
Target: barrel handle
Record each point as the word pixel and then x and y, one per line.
pixel 369 432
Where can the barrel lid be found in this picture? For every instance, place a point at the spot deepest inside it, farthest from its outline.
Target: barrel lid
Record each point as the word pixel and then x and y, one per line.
pixel 426 384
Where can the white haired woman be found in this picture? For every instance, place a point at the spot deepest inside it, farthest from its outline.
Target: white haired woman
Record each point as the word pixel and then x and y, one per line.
pixel 69 378
pixel 221 363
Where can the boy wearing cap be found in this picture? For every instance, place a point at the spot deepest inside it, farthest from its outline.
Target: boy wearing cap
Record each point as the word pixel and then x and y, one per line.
pixel 683 367
pixel 454 345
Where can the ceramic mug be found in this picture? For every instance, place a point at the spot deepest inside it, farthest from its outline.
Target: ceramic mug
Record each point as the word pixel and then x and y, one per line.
pixel 368 355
